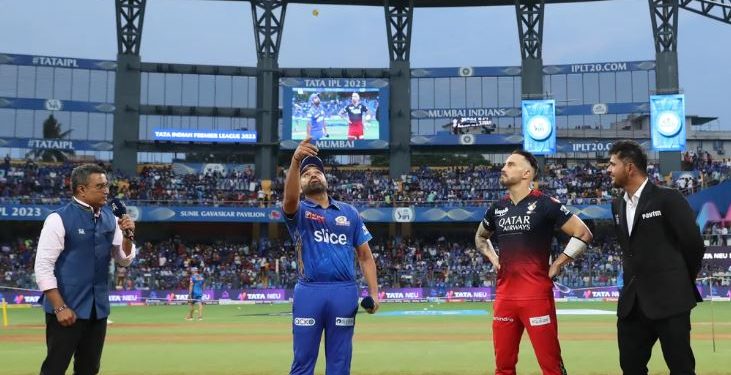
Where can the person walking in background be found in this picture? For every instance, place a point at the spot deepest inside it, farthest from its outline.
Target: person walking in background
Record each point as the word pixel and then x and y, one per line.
pixel 195 293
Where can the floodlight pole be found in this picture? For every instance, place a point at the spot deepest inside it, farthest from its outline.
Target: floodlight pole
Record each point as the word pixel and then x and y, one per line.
pixel 399 17
pixel 130 15
pixel 268 18
pixel 664 15
pixel 529 14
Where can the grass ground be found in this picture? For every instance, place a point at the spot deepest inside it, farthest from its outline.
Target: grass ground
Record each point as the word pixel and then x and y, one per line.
pixel 256 339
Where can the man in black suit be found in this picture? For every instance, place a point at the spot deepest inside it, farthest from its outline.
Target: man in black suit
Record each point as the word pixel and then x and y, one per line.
pixel 662 251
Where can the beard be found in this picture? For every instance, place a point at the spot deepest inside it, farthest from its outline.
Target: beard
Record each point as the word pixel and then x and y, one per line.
pixel 506 181
pixel 618 181
pixel 314 187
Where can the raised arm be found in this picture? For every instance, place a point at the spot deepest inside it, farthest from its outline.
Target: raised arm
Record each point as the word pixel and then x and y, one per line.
pixel 291 199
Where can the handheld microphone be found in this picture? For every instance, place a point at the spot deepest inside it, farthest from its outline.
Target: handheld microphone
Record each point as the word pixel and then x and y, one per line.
pixel 120 210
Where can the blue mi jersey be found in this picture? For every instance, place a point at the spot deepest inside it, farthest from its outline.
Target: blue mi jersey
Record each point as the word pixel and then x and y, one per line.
pixel 325 239
pixel 317 122
pixel 197 281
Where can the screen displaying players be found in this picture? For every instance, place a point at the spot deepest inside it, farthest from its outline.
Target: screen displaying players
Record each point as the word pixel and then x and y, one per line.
pixel 335 114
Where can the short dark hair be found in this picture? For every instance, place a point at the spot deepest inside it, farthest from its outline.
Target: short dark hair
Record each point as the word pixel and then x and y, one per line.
pixel 531 159
pixel 80 175
pixel 631 152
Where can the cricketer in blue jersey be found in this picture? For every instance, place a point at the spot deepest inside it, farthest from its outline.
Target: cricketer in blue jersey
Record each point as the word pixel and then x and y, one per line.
pixel 195 293
pixel 329 235
pixel 316 126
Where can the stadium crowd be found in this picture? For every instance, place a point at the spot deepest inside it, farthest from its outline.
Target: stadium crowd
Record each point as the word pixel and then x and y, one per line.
pixel 403 262
pixel 27 182
pixel 434 263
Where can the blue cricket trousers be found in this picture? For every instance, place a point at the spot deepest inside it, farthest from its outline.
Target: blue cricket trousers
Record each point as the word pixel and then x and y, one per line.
pixel 329 306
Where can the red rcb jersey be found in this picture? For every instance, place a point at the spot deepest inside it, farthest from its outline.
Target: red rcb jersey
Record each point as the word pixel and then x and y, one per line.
pixel 523 233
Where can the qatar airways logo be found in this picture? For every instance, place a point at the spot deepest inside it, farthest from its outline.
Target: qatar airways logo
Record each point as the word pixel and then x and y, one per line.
pixel 515 223
pixel 324 235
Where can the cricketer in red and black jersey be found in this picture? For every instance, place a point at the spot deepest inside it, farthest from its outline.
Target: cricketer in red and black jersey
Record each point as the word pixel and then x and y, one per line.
pixel 524 232
pixel 523 224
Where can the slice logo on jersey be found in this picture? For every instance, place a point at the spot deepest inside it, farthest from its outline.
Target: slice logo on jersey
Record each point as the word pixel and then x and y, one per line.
pixel 325 236
pixel 531 208
pixel 81 231
pixel 342 220
pixel 344 322
pixel 313 216
pixel 648 215
pixel 505 319
pixel 501 212
pixel 365 230
pixel 304 322
pixel 540 320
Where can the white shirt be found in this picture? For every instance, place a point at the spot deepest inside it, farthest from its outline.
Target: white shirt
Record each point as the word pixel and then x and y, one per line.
pixel 51 244
pixel 632 205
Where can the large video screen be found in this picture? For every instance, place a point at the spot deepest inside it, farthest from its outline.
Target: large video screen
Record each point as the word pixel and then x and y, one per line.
pixel 336 113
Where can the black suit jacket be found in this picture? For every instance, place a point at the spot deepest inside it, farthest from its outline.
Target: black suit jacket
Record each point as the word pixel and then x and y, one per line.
pixel 662 256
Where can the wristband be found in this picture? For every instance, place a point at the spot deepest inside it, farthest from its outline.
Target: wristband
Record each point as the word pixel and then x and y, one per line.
pixel 574 248
pixel 59 309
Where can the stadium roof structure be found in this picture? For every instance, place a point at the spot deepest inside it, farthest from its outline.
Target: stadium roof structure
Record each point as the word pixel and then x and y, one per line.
pixel 425 3
pixel 268 18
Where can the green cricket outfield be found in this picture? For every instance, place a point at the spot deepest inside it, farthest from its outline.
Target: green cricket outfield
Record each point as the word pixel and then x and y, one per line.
pixel 413 338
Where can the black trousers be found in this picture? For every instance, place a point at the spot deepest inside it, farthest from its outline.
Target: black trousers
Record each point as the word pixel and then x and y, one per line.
pixel 84 340
pixel 637 335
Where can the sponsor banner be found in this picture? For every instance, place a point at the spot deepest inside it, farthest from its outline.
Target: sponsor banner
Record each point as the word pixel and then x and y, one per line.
pixel 398 294
pixel 56 144
pixel 204 214
pixel 340 144
pixel 469 71
pixel 115 297
pixel 57 62
pixel 21 298
pixel 591 145
pixel 190 135
pixel 125 296
pixel 563 110
pixel 719 257
pixel 714 292
pixel 180 168
pixel 52 104
pixel 448 139
pixel 17 212
pixel 255 295
pixel 667 122
pixel 539 126
pixel 177 296
pixel 470 294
